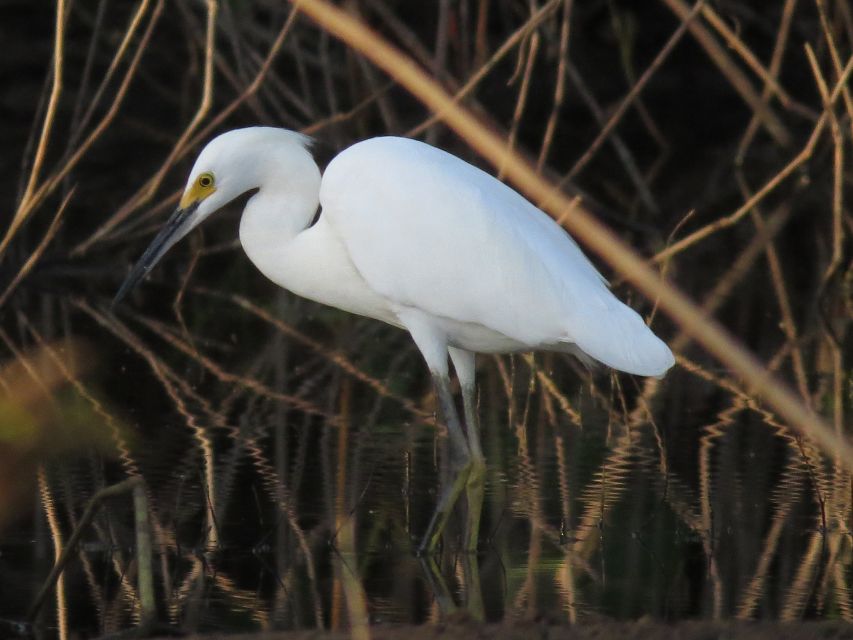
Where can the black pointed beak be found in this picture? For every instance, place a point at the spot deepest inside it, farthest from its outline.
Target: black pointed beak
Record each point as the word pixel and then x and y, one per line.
pixel 176 228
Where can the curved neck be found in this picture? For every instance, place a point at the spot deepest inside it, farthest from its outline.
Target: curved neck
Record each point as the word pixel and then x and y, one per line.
pixel 288 182
pixel 278 214
pixel 273 217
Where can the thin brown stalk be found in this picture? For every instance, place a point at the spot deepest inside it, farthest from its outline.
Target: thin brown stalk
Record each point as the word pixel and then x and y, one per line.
pixel 565 578
pixel 629 99
pixel 220 373
pixel 760 242
pixel 836 259
pixel 559 87
pixel 50 184
pixel 508 45
pixel 122 49
pixel 24 209
pixel 72 377
pixel 740 83
pixel 775 65
pixel 386 108
pixel 553 392
pixel 176 388
pixel 403 33
pixel 131 204
pixel 523 90
pixel 777 276
pixel 801 158
pixel 707 441
pixel 481 45
pixel 34 257
pixel 835 57
pixel 358 109
pixel 204 103
pixel 52 103
pixel 619 145
pixel 738 46
pixel 60 549
pixel 755 589
pixel 837 173
pixel 337 358
pixel 800 588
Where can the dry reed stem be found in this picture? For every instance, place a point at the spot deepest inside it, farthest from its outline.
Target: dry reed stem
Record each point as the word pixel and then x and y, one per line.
pixel 221 374
pixel 715 339
pixel 28 205
pixel 523 90
pixel 761 242
pixel 755 588
pixel 619 145
pixel 603 491
pixel 549 387
pixel 811 460
pixel 837 173
pixel 403 33
pixel 347 576
pixel 629 99
pixel 204 104
pixel 51 183
pixel 102 232
pixel 517 37
pixel 710 433
pixel 771 85
pixel 131 468
pixel 237 598
pixel 777 276
pixel 171 384
pixel 559 87
pixel 24 208
pixel 739 82
pixel 335 357
pixel 800 589
pixel 837 258
pixel 626 37
pixel 281 496
pixel 835 57
pixel 50 113
pixel 801 158
pixel 36 254
pixel 135 21
pixel 339 118
pixel 779 48
pixel 201 111
pixel 55 528
pixel 565 576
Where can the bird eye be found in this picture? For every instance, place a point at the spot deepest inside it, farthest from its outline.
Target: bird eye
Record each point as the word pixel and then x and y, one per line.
pixel 205 180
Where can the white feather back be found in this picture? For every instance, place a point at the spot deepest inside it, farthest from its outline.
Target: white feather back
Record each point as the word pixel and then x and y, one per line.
pixel 428 230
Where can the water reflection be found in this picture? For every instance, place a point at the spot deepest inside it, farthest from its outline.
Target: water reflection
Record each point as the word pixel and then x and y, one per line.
pixel 289 491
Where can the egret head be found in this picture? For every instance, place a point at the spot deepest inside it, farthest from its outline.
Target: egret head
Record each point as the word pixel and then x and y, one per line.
pixel 230 165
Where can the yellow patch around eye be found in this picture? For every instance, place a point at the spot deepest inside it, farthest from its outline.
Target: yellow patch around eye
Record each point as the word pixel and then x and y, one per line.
pixel 200 189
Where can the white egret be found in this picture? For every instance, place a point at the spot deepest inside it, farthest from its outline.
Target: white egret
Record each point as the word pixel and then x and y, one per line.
pixel 415 237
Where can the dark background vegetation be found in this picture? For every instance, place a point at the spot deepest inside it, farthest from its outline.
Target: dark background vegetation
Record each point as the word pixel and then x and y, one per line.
pixel 262 422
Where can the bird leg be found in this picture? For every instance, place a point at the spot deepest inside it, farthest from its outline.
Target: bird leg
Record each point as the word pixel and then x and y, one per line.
pixel 460 467
pixel 475 487
pixel 464 362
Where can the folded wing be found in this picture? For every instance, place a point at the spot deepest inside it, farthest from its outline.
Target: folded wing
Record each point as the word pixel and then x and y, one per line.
pixel 451 240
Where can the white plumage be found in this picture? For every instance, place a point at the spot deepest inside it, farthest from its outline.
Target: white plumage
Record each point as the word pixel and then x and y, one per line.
pixel 427 230
pixel 418 238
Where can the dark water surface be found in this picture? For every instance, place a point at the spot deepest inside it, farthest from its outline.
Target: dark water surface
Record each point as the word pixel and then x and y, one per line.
pixel 291 466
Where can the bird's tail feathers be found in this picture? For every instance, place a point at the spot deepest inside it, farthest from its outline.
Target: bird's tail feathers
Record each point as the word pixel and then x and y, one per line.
pixel 618 337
